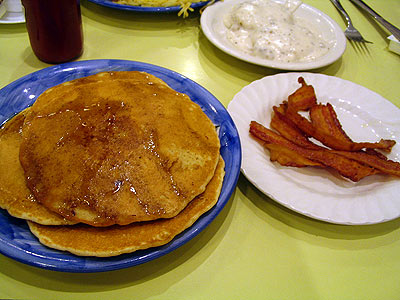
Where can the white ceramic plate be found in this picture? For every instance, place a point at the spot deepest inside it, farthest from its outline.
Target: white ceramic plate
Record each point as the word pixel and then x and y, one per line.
pixel 214 29
pixel 12 18
pixel 319 193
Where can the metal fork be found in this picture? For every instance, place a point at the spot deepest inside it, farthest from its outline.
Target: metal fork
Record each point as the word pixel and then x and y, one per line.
pixel 351 33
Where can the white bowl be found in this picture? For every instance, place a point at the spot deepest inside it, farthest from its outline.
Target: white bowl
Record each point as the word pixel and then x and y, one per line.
pixel 215 30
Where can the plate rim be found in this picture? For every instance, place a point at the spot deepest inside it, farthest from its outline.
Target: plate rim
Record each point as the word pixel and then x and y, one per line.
pixel 338 49
pixel 19 19
pixel 110 4
pixel 276 199
pixel 29 257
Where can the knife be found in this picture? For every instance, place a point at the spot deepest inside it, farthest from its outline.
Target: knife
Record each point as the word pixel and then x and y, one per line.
pixel 394 30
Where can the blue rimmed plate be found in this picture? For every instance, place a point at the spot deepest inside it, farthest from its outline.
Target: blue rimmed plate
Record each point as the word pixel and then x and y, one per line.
pixel 16 240
pixel 109 3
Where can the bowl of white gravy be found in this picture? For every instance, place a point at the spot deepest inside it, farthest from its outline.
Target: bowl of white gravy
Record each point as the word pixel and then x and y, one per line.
pixel 288 35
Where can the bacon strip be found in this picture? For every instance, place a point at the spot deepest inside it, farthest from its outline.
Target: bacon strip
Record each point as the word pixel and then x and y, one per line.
pixel 332 141
pixel 282 124
pixel 346 167
pixel 289 158
pixel 373 159
pixel 324 117
pixel 324 125
pixel 303 98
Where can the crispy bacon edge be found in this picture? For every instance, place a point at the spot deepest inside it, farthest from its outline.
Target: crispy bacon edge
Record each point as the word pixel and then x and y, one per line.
pixel 346 167
pixel 325 126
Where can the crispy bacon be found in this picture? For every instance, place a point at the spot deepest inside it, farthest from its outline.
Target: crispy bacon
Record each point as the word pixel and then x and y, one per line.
pixel 324 125
pixel 303 98
pixel 324 117
pixel 373 159
pixel 334 142
pixel 282 124
pixel 291 145
pixel 346 167
pixel 288 158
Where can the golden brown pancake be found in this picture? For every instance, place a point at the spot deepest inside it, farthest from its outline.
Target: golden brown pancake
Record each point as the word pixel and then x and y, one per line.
pixel 114 240
pixel 14 195
pixel 66 87
pixel 118 151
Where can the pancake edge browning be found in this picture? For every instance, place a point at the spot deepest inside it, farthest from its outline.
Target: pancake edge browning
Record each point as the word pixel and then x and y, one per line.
pixel 84 240
pixel 15 197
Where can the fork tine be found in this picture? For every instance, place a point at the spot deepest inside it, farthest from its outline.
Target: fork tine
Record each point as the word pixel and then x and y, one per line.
pixel 351 33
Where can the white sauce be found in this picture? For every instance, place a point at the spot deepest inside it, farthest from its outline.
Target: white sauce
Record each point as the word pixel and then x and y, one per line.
pixel 269 30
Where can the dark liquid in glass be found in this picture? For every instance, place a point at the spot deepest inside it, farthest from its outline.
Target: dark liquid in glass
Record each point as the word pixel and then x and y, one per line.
pixel 55 29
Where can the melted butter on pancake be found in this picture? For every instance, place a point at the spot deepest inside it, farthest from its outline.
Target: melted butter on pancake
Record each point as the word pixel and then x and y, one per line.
pixel 116 152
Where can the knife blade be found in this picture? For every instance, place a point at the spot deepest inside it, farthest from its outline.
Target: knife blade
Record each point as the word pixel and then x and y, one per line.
pixel 391 28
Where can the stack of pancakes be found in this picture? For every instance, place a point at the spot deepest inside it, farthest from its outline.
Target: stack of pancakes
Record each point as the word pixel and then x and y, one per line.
pixel 110 164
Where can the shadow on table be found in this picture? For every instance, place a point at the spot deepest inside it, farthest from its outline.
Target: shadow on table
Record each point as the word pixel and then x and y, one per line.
pixel 324 234
pixel 19 28
pixel 188 257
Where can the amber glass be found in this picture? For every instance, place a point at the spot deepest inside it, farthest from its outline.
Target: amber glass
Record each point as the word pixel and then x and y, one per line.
pixel 55 29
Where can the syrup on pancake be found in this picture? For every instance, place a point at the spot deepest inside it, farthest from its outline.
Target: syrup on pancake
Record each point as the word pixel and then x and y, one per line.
pixel 118 151
pixel 111 149
pixel 60 90
pixel 87 240
pixel 15 197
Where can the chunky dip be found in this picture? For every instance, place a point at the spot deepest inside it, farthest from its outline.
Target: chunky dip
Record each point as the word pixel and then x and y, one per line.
pixel 269 30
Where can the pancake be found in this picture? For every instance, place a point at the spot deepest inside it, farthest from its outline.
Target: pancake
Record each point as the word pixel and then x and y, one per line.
pixel 86 240
pixel 66 87
pixel 15 197
pixel 117 152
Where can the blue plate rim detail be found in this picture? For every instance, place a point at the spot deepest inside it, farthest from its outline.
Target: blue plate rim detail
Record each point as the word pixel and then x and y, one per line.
pixel 109 3
pixel 18 243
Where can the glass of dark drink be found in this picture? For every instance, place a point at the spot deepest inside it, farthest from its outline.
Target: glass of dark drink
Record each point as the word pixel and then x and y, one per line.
pixel 55 29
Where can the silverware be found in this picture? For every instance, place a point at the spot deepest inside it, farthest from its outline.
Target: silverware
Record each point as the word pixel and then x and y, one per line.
pixel 392 29
pixel 351 33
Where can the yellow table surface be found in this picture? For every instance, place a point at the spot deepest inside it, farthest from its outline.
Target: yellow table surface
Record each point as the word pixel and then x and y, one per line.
pixel 255 248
